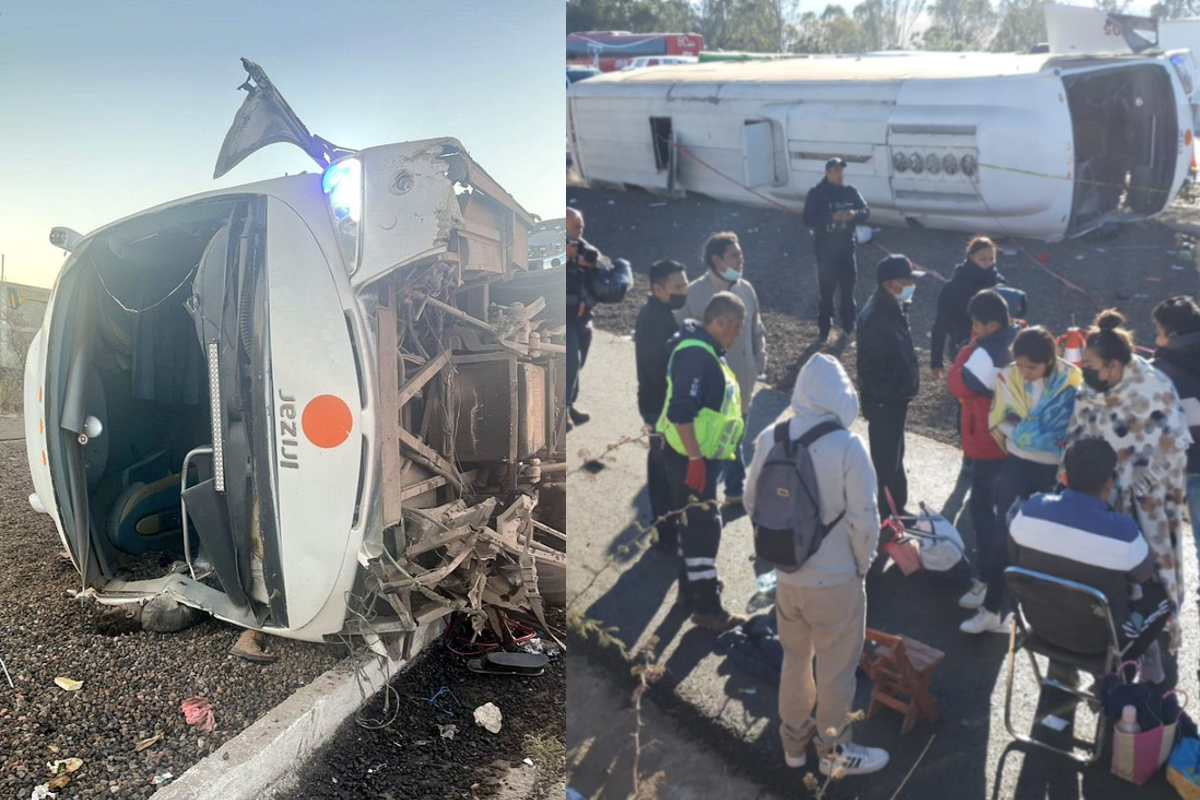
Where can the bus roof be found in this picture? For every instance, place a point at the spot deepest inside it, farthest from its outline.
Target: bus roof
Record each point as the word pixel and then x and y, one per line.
pixel 927 66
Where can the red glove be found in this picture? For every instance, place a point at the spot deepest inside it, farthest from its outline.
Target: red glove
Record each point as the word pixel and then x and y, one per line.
pixel 697 475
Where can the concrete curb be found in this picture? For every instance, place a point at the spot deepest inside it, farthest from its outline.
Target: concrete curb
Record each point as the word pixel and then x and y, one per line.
pixel 252 763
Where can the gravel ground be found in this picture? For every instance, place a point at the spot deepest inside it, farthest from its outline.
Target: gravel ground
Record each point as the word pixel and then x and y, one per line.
pixel 410 759
pixel 1134 272
pixel 132 685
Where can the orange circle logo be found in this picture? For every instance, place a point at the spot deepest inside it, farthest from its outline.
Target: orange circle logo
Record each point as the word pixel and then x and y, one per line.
pixel 326 421
pixel 1187 138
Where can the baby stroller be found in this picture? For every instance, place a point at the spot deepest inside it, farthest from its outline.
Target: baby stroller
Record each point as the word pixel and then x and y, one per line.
pixel 927 540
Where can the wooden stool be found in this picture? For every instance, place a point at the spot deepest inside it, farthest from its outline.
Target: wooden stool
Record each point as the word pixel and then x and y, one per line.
pixel 900 666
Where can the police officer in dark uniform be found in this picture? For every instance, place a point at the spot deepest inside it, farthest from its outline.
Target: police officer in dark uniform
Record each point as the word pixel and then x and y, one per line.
pixel 656 325
pixel 832 209
pixel 702 425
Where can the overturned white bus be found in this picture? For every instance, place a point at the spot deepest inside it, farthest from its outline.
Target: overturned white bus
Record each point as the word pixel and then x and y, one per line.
pixel 1028 145
pixel 292 404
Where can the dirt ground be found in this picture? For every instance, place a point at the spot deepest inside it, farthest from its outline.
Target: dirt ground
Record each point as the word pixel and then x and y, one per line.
pixel 410 758
pixel 132 685
pixel 1132 273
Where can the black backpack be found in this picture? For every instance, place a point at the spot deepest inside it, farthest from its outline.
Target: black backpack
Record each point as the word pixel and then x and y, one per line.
pixel 787 503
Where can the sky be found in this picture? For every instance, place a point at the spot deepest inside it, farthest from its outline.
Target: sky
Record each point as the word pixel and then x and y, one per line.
pixel 109 107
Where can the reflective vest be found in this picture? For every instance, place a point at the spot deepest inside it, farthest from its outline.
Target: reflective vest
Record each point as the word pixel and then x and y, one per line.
pixel 718 432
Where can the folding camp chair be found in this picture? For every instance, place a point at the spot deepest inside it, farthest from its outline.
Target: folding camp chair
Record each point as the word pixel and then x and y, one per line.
pixel 1067 612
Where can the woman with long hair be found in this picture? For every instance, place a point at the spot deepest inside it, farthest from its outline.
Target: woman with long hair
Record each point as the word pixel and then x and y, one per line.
pixel 1031 413
pixel 1136 409
pixel 952 325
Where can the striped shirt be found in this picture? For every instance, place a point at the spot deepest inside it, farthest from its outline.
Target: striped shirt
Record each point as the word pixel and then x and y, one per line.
pixel 1081 538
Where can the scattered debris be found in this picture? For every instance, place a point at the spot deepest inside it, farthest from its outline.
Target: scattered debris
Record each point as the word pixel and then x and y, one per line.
pixel 42 792
pixel 447 731
pixel 148 742
pixel 750 690
pixel 433 701
pixel 68 684
pixel 488 717
pixel 59 783
pixel 199 713
pixel 652 205
pixel 528 762
pixel 501 663
pixel 1055 723
pixel 6 675
pixel 158 780
pixel 1153 280
pixel 64 766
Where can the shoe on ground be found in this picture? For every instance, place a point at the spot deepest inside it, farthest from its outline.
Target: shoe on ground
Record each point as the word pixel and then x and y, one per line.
pixel 733 499
pixel 796 762
pixel 974 597
pixel 251 646
pixel 985 621
pixel 718 623
pixel 822 337
pixel 578 417
pixel 854 759
pixel 664 553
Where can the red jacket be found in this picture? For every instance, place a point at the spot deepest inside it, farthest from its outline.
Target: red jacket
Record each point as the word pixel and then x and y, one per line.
pixel 977 440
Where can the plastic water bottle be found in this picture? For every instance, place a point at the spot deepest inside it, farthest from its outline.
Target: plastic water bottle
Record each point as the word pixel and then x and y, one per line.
pixel 1129 723
pixel 766 582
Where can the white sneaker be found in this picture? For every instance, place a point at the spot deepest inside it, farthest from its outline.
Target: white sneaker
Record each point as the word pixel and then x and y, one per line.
pixel 796 762
pixel 986 621
pixel 975 595
pixel 854 759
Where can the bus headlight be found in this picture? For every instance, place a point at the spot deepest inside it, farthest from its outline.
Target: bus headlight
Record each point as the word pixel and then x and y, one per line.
pixel 900 162
pixel 916 163
pixel 1185 66
pixel 343 186
pixel 950 165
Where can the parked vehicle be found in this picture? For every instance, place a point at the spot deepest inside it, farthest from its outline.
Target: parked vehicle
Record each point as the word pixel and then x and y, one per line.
pixel 661 61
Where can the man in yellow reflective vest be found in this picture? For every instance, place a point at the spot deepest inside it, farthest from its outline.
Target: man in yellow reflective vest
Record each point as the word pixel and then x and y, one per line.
pixel 701 423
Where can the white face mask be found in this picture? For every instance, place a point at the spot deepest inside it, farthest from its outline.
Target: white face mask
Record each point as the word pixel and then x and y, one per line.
pixel 906 294
pixel 731 275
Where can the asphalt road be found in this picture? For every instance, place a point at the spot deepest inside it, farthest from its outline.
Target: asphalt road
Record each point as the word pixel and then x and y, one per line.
pixel 601 754
pixel 733 711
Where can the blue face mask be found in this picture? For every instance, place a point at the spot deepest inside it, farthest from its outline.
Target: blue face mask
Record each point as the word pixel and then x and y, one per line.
pixel 906 294
pixel 731 275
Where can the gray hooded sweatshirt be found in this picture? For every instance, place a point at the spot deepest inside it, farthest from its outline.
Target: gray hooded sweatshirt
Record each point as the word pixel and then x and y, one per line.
pixel 845 476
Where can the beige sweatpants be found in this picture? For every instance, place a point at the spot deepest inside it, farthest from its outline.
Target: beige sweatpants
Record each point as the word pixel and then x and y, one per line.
pixel 826 623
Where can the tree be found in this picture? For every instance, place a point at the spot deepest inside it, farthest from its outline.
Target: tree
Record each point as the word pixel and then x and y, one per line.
pixel 1113 6
pixel 960 25
pixel 1175 9
pixel 639 16
pixel 833 31
pixel 889 24
pixel 757 25
pixel 1022 25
